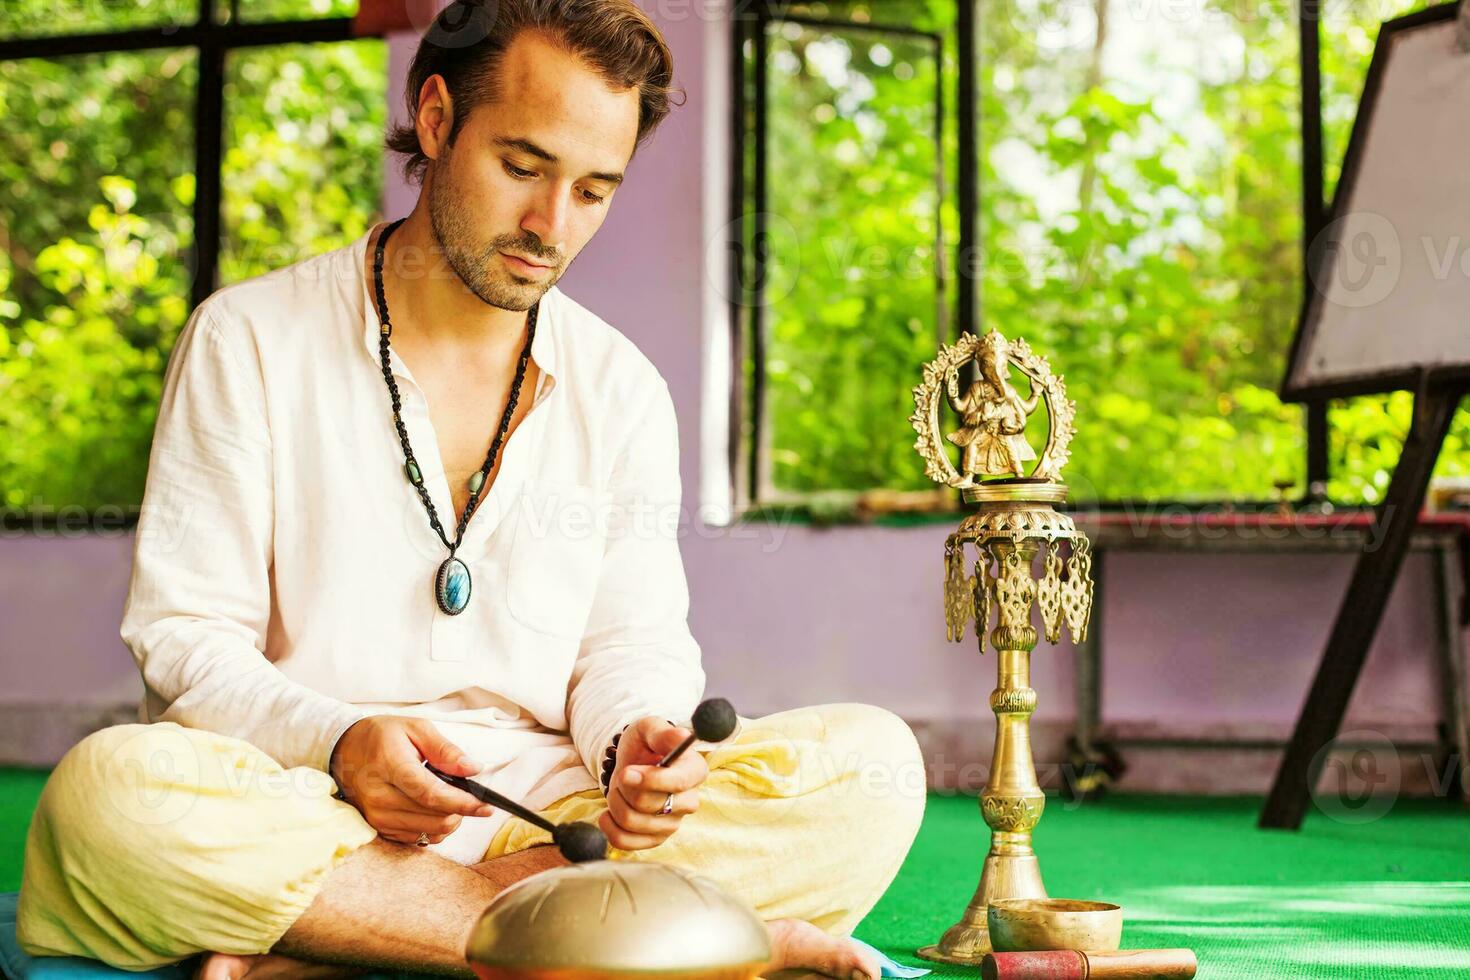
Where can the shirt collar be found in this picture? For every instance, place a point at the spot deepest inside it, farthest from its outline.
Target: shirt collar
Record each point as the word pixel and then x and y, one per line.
pixel 543 345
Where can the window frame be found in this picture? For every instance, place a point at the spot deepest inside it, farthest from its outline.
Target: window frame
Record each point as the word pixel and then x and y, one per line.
pixel 745 456
pixel 213 39
pixel 749 464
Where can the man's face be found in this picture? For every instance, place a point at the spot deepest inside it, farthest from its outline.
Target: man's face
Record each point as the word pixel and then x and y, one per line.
pixel 531 176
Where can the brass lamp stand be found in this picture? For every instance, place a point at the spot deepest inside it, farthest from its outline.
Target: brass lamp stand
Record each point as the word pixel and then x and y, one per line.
pixel 1014 525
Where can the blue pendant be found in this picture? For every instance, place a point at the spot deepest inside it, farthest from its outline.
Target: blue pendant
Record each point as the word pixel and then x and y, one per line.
pixel 452 586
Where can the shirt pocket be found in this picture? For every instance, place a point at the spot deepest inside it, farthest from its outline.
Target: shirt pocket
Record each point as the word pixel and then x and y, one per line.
pixel 555 557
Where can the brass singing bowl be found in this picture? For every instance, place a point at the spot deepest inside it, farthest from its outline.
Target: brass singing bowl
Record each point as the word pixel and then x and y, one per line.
pixel 1020 925
pixel 616 919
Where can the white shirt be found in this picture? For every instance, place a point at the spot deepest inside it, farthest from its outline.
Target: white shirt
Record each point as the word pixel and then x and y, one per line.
pixel 283 576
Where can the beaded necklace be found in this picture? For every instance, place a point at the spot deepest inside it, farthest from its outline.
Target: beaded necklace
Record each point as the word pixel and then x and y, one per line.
pixel 452 581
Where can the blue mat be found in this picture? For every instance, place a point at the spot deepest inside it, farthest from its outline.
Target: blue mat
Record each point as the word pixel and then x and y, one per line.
pixel 16 965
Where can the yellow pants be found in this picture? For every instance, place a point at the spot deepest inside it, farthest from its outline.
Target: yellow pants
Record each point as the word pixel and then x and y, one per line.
pixel 152 843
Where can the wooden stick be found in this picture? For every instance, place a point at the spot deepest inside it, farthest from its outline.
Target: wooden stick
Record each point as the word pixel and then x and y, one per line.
pixel 1075 964
pixel 487 795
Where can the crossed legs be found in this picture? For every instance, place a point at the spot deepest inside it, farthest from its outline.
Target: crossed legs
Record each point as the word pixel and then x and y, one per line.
pixel 149 846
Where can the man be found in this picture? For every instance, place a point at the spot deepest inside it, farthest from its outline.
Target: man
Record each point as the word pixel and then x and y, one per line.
pixel 375 573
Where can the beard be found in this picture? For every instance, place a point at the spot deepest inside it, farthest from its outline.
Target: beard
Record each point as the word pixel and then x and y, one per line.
pixel 474 260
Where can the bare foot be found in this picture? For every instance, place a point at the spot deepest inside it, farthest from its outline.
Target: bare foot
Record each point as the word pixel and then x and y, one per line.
pixel 223 966
pixel 799 950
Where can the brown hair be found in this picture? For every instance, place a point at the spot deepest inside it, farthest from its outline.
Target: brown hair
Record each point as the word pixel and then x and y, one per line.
pixel 469 37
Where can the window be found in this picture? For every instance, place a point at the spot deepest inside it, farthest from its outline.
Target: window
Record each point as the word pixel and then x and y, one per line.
pixel 845 281
pixel 99 208
pixel 32 19
pixel 311 179
pixel 1138 218
pixel 1140 224
pixel 95 203
pixel 266 10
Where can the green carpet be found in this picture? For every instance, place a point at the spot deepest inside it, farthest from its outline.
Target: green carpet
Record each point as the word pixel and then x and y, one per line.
pixel 1386 900
pixel 19 789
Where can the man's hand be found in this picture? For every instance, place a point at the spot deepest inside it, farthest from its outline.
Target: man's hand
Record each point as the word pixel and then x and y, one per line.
pixel 638 788
pixel 378 765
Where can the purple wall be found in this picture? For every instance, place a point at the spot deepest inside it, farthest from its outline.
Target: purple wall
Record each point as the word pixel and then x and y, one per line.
pixel 61 601
pixel 794 615
pixel 854 613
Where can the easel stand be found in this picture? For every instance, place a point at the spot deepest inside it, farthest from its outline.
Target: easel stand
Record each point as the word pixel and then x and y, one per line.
pixel 1362 611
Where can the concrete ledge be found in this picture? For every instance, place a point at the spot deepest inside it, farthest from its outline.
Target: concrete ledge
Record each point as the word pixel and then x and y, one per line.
pixel 1385 757
pixel 38 735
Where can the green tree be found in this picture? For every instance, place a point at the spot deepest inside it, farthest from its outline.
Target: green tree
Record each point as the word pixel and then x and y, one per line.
pixel 95 197
pixel 1140 223
pixel 856 296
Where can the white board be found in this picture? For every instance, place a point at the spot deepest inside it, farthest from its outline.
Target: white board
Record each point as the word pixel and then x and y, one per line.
pixel 1391 284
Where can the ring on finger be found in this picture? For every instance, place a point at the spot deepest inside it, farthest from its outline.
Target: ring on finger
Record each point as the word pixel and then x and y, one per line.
pixel 668 806
pixel 423 840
